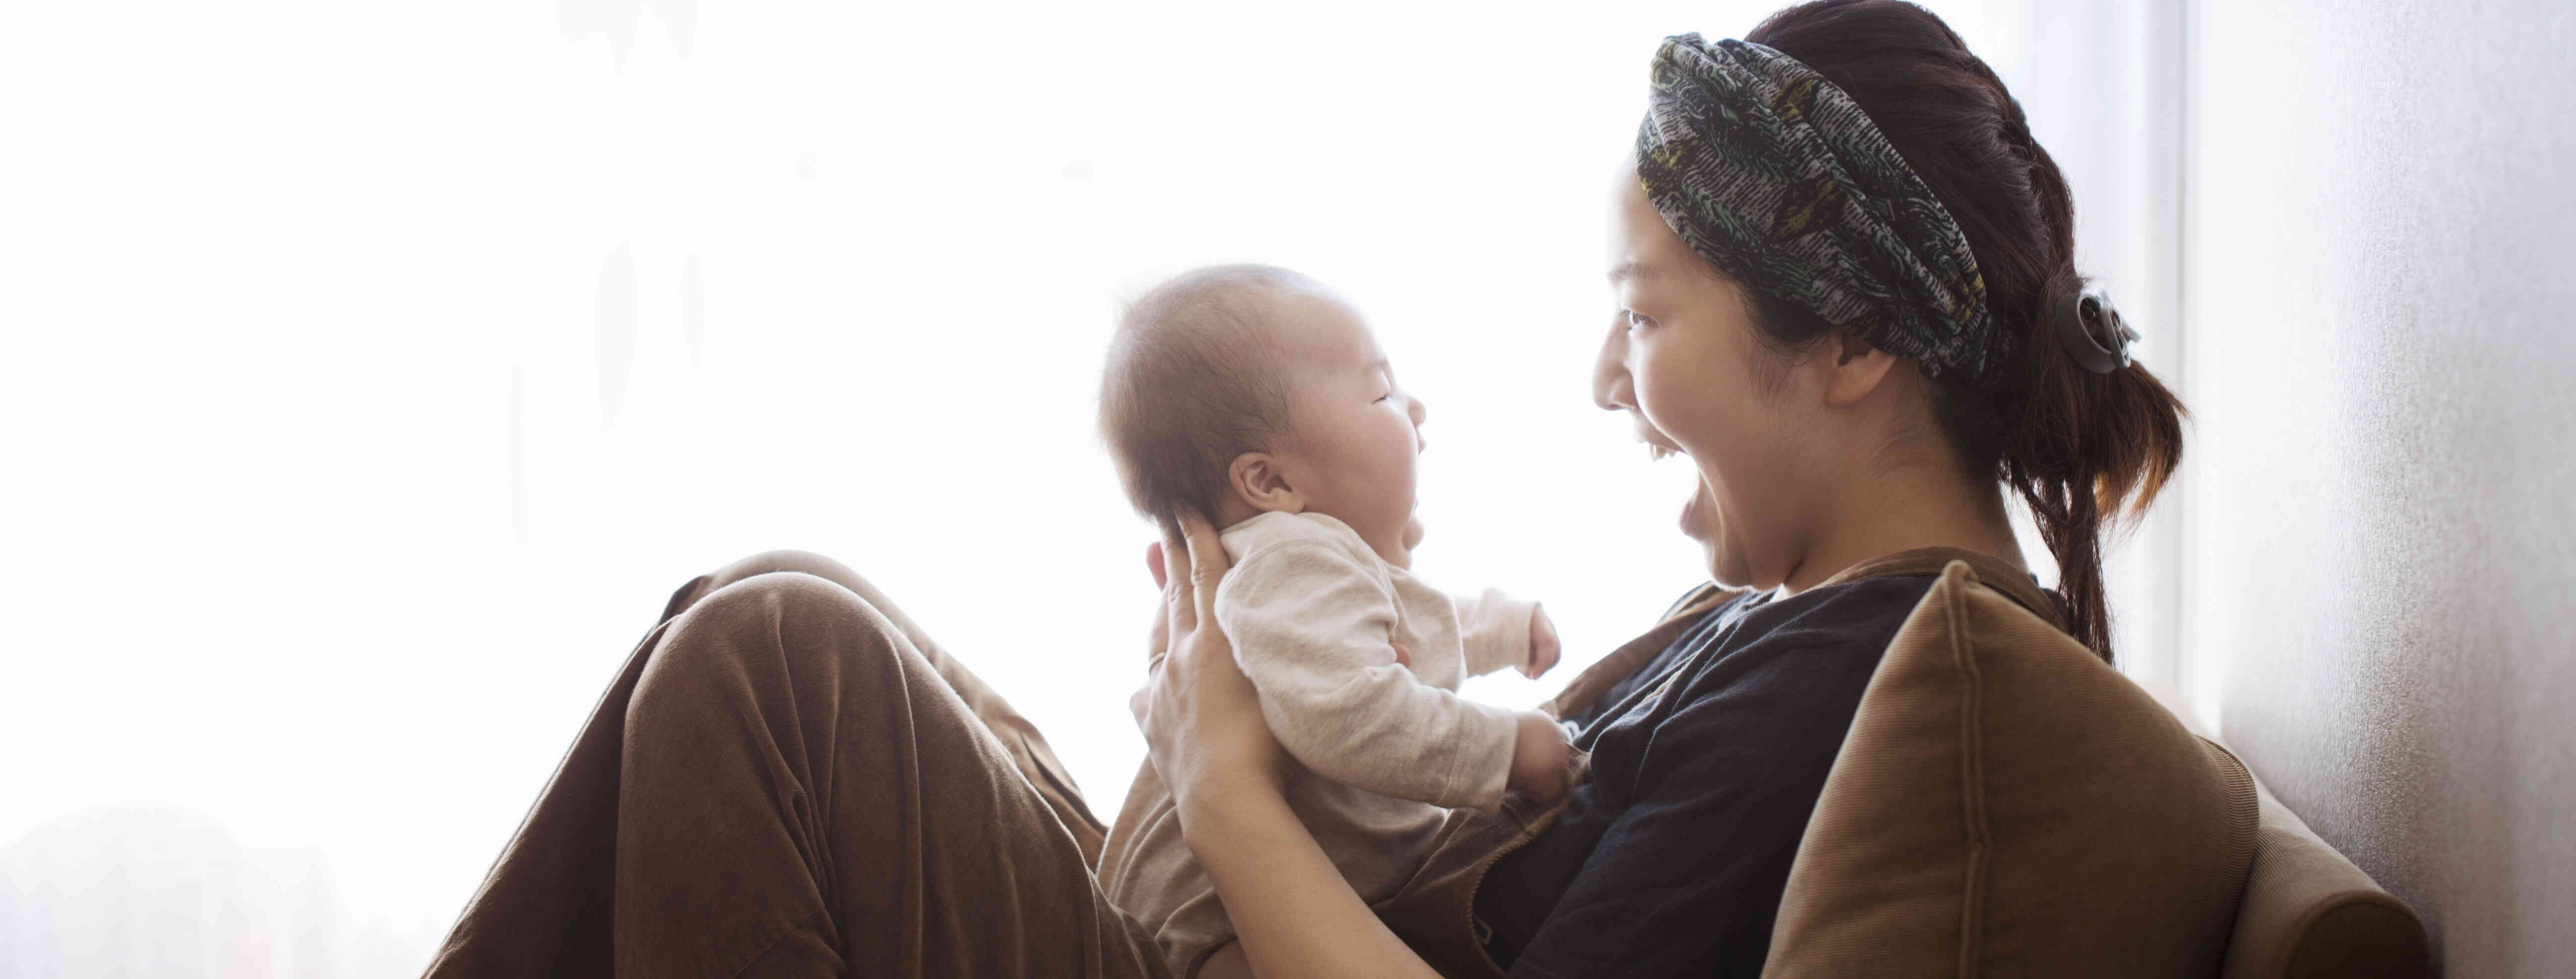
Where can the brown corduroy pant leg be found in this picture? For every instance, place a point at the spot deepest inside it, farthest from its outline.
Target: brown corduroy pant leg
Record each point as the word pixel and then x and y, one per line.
pixel 788 778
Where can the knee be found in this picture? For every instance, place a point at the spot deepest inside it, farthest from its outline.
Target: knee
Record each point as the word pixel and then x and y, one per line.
pixel 772 562
pixel 780 622
pixel 757 674
pixel 765 562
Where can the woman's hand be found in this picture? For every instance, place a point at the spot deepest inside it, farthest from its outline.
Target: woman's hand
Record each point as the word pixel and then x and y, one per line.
pixel 1200 714
pixel 1292 911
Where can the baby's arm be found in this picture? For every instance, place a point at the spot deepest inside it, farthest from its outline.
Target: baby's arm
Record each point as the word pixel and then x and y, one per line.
pixel 1502 632
pixel 1310 624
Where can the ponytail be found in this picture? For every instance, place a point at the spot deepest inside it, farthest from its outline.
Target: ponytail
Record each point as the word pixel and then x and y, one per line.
pixel 2086 450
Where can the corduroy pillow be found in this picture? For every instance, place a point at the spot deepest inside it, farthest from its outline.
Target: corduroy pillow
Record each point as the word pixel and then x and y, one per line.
pixel 2008 804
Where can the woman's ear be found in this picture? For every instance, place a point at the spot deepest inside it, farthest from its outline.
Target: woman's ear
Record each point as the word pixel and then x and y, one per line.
pixel 1855 370
pixel 1257 480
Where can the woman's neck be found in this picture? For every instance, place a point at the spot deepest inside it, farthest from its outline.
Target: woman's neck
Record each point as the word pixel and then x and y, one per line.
pixel 1908 505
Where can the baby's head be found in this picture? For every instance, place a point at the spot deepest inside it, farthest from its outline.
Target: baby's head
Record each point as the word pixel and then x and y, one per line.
pixel 1241 389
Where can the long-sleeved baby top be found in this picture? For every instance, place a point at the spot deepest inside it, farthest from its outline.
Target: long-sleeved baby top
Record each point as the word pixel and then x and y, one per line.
pixel 1315 616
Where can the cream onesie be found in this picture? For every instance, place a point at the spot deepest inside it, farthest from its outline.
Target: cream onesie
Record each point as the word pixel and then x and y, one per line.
pixel 1315 615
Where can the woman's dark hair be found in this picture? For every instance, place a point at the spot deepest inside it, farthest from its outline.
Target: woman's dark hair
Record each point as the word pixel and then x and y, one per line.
pixel 2077 446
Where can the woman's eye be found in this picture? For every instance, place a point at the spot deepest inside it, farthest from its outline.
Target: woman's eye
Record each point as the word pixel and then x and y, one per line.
pixel 1633 318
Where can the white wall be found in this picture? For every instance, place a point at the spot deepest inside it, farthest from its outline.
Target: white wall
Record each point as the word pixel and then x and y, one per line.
pixel 2380 551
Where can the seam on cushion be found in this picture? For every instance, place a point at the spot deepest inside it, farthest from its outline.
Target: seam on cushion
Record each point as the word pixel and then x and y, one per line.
pixel 1972 772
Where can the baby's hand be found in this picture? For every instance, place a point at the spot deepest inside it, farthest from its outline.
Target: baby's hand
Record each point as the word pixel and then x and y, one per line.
pixel 1542 762
pixel 1543 644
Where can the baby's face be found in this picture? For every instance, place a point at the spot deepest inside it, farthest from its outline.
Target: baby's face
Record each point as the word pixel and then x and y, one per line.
pixel 1353 434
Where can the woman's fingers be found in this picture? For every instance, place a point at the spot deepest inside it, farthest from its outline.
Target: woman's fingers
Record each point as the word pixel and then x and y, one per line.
pixel 1158 639
pixel 1208 562
pixel 1200 715
pixel 1175 581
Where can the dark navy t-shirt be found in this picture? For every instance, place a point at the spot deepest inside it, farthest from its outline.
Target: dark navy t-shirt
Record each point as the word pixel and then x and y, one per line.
pixel 1671 856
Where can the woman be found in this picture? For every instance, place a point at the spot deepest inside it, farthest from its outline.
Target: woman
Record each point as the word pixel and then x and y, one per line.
pixel 1845 289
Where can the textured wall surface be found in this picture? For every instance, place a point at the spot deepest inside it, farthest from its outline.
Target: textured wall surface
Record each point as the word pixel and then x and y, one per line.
pixel 2379 547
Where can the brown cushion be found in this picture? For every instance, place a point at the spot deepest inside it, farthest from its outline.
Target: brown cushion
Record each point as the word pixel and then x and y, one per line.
pixel 2008 804
pixel 2308 913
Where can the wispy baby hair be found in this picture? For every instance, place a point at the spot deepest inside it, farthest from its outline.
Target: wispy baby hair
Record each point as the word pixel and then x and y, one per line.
pixel 1192 381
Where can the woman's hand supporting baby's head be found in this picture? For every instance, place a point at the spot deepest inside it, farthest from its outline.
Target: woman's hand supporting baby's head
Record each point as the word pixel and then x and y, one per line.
pixel 1200 715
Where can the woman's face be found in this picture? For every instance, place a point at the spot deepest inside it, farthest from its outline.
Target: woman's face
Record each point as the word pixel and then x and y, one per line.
pixel 1682 359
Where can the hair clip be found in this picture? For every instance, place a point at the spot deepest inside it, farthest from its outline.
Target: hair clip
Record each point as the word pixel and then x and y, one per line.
pixel 2091 330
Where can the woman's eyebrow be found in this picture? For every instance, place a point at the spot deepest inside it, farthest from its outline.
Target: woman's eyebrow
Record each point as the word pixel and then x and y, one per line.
pixel 1631 269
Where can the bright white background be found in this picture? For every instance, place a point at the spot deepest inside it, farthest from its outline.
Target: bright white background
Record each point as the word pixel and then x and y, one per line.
pixel 373 373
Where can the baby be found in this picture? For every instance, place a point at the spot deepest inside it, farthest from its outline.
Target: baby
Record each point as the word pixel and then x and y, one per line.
pixel 1257 397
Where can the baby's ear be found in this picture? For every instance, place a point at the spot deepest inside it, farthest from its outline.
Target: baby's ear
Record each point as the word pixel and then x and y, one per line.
pixel 1256 479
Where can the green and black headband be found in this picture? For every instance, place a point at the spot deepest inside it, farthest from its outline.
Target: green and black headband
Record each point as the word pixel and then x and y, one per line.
pixel 1777 177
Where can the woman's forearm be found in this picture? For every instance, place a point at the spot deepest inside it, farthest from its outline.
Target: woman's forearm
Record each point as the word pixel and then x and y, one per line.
pixel 1291 909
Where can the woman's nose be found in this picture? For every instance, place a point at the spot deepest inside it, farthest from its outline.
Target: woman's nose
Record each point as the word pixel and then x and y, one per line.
pixel 1611 386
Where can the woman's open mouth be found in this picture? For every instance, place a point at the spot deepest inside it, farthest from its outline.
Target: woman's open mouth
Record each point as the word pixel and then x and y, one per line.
pixel 1693 513
pixel 1693 521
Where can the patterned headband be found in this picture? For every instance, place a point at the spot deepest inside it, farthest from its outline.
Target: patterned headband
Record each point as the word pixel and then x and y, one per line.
pixel 1776 177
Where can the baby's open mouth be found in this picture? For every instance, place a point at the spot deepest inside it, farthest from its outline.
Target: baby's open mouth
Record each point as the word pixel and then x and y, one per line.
pixel 1659 453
